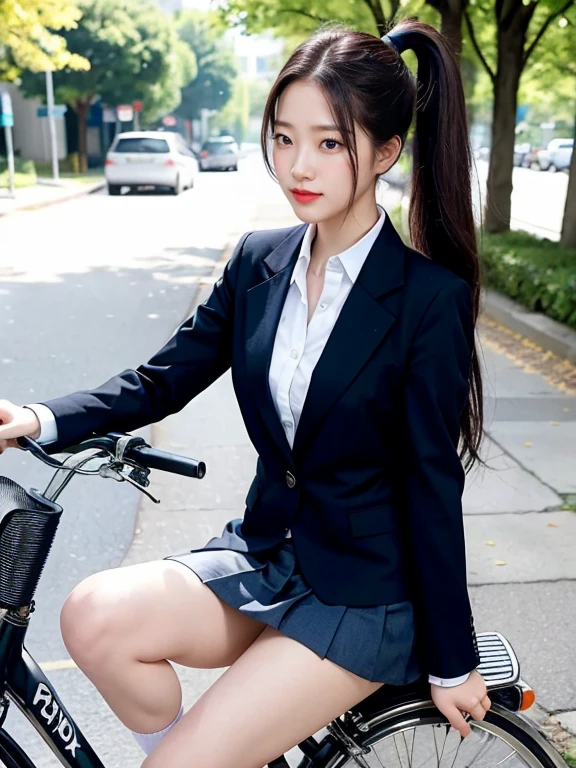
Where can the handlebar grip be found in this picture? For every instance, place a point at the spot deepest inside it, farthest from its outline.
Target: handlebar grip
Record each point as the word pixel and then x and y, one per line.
pixel 166 462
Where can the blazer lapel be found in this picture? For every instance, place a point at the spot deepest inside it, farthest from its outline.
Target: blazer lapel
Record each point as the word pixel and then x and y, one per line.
pixel 360 328
pixel 264 303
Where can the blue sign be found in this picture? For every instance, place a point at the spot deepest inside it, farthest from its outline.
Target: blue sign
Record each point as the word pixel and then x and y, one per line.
pixel 521 112
pixel 6 112
pixel 59 110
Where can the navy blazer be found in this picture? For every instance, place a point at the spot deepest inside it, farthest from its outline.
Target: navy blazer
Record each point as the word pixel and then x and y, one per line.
pixel 372 487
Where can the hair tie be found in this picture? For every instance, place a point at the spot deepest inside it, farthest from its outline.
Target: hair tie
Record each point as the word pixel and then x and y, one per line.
pixel 395 40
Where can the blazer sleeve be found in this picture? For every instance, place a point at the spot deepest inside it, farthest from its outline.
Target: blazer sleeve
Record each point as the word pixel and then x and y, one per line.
pixel 196 355
pixel 437 387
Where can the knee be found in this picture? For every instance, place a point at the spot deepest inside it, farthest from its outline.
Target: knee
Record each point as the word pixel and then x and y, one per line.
pixel 88 619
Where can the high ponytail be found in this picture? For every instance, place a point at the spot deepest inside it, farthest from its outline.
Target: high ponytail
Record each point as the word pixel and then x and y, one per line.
pixel 367 82
pixel 441 217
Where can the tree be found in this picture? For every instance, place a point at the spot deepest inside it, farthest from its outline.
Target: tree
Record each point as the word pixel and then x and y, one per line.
pixel 514 19
pixel 299 18
pixel 28 38
pixel 216 73
pixel 134 53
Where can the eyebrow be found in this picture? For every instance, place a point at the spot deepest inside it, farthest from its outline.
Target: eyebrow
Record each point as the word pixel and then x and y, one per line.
pixel 284 124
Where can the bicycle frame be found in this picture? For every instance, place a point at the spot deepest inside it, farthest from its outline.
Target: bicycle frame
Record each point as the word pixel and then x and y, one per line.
pixel 28 687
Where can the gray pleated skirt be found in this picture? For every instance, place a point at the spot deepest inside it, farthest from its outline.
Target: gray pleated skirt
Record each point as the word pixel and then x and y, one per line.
pixel 377 643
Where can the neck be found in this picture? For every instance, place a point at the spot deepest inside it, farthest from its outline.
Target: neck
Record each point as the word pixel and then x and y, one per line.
pixel 336 235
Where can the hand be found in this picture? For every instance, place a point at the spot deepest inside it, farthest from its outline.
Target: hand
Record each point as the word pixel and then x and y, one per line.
pixel 16 422
pixel 470 697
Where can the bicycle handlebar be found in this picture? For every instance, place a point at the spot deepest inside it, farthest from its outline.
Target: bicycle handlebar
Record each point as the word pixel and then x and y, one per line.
pixel 136 450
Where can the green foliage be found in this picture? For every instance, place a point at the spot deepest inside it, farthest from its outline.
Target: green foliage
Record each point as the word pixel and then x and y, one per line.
pixel 548 84
pixel 297 19
pixel 134 53
pixel 537 273
pixel 24 173
pixel 211 88
pixel 28 36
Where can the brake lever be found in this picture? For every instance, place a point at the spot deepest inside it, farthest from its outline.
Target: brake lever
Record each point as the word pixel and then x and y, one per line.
pixel 111 471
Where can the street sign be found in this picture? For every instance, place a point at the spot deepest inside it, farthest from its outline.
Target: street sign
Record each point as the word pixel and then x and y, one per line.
pixel 125 112
pixel 59 110
pixel 138 106
pixel 6 111
pixel 169 120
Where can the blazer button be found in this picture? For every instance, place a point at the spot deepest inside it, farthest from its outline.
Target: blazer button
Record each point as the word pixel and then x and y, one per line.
pixel 290 480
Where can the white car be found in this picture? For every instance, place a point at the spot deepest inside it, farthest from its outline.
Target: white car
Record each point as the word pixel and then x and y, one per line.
pixel 557 155
pixel 150 158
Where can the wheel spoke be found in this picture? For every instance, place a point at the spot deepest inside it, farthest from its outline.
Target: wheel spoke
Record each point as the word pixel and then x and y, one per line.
pixel 438 744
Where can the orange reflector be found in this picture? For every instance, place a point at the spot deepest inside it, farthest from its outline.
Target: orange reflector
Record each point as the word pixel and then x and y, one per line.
pixel 528 698
pixel 109 162
pixel 169 162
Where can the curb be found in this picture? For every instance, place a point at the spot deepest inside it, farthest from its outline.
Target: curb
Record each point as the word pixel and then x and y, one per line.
pixel 535 326
pixel 54 201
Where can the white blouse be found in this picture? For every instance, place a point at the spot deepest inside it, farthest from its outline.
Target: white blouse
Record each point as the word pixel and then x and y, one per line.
pixel 298 344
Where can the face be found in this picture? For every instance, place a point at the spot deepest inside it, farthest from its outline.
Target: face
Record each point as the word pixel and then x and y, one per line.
pixel 308 154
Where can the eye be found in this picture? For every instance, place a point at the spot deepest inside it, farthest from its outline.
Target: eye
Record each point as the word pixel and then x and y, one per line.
pixel 278 136
pixel 332 141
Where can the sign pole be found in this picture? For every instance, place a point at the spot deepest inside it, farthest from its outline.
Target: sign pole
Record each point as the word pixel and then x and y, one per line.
pixel 7 121
pixel 10 153
pixel 52 124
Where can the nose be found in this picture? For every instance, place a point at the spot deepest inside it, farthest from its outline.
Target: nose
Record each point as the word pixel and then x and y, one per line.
pixel 303 167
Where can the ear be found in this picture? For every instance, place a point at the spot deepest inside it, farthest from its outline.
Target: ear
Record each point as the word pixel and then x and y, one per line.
pixel 387 154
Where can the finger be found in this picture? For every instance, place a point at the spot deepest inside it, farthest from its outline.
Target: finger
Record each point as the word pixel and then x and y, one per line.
pixel 486 703
pixel 478 712
pixel 457 722
pixel 10 431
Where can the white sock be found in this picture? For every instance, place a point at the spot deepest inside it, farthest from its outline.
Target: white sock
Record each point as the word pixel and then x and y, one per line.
pixel 148 741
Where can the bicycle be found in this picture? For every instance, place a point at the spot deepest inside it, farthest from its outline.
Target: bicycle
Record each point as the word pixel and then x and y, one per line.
pixel 395 727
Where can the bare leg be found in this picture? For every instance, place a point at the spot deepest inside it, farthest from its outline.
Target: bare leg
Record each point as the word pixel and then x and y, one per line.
pixel 122 624
pixel 275 695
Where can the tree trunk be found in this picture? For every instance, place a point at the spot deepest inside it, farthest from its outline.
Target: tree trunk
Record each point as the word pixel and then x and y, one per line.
pixel 509 70
pixel 452 13
pixel 568 238
pixel 82 108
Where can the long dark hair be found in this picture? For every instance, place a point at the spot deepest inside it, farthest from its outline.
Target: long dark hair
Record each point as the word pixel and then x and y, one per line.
pixel 366 81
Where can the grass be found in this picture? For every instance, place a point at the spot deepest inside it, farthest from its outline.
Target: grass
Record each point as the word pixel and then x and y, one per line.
pixel 20 180
pixel 44 170
pixel 570 759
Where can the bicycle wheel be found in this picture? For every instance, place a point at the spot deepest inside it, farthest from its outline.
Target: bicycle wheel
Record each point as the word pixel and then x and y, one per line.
pixel 424 739
pixel 11 755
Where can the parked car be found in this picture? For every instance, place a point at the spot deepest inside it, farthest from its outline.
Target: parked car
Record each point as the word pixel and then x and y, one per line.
pixel 219 153
pixel 557 156
pixel 150 158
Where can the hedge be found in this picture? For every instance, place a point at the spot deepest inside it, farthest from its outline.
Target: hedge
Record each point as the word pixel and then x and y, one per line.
pixel 535 272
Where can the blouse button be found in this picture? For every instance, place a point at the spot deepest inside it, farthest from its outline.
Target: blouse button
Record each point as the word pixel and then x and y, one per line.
pixel 323 306
pixel 294 354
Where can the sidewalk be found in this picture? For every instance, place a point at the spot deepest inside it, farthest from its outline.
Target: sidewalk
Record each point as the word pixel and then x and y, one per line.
pixel 46 192
pixel 521 542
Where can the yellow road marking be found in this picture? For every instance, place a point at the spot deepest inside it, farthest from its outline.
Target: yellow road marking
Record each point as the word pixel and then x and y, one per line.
pixel 51 666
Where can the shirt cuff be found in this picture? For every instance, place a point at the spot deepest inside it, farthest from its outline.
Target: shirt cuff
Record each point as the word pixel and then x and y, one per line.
pixel 48 428
pixel 448 682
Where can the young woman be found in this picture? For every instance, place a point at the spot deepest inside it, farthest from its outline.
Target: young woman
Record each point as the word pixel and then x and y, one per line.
pixel 353 360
